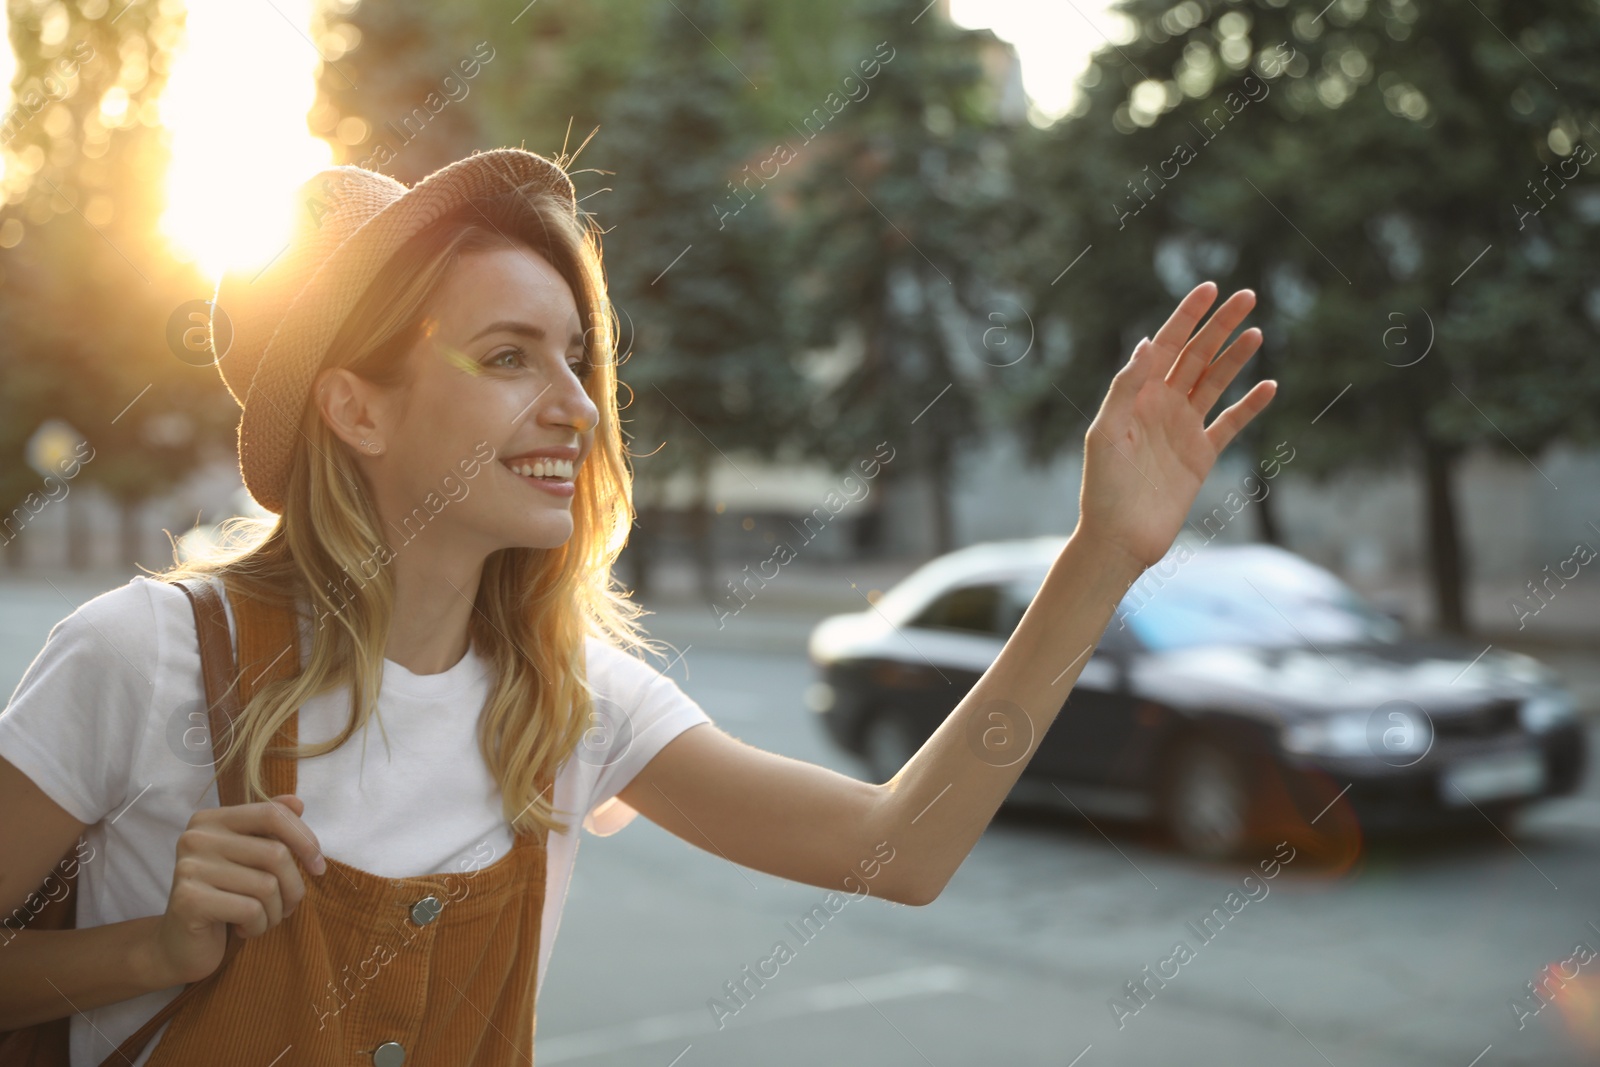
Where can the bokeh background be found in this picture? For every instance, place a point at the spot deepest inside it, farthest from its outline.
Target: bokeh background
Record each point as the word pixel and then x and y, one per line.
pixel 942 226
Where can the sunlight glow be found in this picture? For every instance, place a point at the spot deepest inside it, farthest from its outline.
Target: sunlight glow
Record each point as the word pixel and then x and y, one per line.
pixel 235 111
pixel 8 72
pixel 1053 39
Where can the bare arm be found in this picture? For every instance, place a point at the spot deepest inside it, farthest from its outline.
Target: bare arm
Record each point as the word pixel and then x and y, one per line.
pixel 1145 456
pixel 779 815
pixel 233 865
pixel 44 974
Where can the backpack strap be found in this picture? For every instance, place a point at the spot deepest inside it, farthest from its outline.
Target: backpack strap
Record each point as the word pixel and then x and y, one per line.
pixel 228 689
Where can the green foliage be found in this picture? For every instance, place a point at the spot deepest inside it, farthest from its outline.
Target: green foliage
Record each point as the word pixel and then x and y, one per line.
pixel 1354 187
pixel 90 286
pixel 698 290
pixel 900 212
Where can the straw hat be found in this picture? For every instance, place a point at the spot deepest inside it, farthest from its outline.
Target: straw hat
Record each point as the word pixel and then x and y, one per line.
pixel 283 318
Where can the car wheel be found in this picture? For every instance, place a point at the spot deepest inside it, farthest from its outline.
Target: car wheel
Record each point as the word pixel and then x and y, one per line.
pixel 887 746
pixel 1209 811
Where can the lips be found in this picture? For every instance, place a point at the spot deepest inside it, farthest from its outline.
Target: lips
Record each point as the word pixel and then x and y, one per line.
pixel 548 474
pixel 541 467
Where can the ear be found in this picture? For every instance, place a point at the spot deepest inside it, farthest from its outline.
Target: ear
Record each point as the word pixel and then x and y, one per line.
pixel 347 403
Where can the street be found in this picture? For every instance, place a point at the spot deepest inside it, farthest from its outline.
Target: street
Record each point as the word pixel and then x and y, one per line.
pixel 1412 957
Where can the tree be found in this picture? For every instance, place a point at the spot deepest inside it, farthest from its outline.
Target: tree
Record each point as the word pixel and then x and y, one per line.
pixel 89 275
pixel 698 291
pixel 898 219
pixel 397 99
pixel 1385 174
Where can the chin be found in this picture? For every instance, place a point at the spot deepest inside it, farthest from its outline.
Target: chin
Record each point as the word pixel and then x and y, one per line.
pixel 550 533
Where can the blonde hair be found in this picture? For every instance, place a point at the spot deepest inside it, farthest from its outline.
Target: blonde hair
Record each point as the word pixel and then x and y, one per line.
pixel 534 607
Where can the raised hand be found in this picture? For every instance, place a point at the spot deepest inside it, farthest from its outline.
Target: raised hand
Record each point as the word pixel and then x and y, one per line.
pixel 1148 450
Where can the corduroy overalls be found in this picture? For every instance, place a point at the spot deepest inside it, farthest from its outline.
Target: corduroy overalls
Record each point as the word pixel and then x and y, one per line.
pixel 437 969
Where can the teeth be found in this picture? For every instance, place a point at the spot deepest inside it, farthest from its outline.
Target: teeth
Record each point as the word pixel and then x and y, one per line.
pixel 544 468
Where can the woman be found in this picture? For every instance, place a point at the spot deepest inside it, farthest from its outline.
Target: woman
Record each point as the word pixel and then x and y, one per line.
pixel 428 383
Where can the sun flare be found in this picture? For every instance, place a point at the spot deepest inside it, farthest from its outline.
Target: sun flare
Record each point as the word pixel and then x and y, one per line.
pixel 235 110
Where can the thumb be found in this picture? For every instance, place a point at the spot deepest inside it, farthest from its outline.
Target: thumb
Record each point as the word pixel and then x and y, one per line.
pixel 1127 381
pixel 292 802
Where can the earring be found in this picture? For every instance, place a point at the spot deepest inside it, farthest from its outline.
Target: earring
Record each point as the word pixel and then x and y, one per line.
pixel 372 447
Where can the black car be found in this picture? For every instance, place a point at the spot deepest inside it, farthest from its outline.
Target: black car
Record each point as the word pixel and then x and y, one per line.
pixel 1235 687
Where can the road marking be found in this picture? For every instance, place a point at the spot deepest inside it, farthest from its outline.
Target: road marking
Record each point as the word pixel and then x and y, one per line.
pixel 835 996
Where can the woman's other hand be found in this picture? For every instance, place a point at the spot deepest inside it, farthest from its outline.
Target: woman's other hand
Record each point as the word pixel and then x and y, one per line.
pixel 236 865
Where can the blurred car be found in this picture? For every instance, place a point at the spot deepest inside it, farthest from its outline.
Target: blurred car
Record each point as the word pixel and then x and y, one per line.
pixel 1234 686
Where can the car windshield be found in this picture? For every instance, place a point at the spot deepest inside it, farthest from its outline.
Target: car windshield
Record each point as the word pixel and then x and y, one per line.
pixel 1266 606
pixel 1266 603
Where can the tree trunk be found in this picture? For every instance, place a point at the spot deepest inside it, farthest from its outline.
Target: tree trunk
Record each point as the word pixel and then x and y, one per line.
pixel 866 535
pixel 939 476
pixel 643 540
pixel 1447 565
pixel 1267 526
pixel 702 530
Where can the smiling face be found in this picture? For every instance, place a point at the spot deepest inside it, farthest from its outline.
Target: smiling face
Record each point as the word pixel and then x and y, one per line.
pixel 496 378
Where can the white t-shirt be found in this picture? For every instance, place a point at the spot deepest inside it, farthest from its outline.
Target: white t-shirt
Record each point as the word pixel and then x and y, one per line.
pixel 109 722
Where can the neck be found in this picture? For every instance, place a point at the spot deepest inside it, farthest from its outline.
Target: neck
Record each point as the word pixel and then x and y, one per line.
pixel 434 594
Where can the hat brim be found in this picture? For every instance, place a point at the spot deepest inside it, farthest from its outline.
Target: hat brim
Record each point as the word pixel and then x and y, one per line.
pixel 275 398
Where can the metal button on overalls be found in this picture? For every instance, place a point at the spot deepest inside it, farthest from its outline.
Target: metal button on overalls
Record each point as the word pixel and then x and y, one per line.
pixel 346 980
pixel 426 910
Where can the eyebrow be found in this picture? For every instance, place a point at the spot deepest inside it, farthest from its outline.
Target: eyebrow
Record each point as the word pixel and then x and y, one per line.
pixel 525 329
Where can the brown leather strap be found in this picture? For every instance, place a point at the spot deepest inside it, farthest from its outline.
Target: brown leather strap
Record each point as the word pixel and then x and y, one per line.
pixel 223 708
pixel 223 703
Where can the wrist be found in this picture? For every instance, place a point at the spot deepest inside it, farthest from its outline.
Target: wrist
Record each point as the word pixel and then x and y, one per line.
pixel 1110 555
pixel 144 957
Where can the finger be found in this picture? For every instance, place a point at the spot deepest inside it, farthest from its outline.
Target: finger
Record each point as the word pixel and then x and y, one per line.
pixel 272 856
pixel 243 912
pixel 1170 339
pixel 275 820
pixel 1125 384
pixel 1198 353
pixel 230 878
pixel 1238 415
pixel 293 831
pixel 1223 370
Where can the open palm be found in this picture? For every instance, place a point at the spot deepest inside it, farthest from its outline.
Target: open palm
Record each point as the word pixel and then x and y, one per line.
pixel 1148 450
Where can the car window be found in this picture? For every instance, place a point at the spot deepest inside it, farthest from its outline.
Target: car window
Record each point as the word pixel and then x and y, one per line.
pixel 1014 600
pixel 1116 639
pixel 970 609
pixel 1218 612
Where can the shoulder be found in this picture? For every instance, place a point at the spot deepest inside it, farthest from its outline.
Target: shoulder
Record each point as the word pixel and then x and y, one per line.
pixel 131 631
pixel 606 660
pixel 622 674
pixel 637 688
pixel 78 719
pixel 122 616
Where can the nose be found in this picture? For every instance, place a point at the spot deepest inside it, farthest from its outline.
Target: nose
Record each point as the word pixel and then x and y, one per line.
pixel 569 405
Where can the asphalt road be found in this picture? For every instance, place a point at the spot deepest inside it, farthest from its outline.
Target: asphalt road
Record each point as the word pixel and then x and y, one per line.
pixel 1411 957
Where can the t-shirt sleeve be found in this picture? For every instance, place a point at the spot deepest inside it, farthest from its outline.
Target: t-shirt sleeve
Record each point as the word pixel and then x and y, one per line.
pixel 73 724
pixel 637 711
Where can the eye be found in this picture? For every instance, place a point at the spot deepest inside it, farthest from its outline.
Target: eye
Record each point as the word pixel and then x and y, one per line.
pixel 506 357
pixel 582 368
